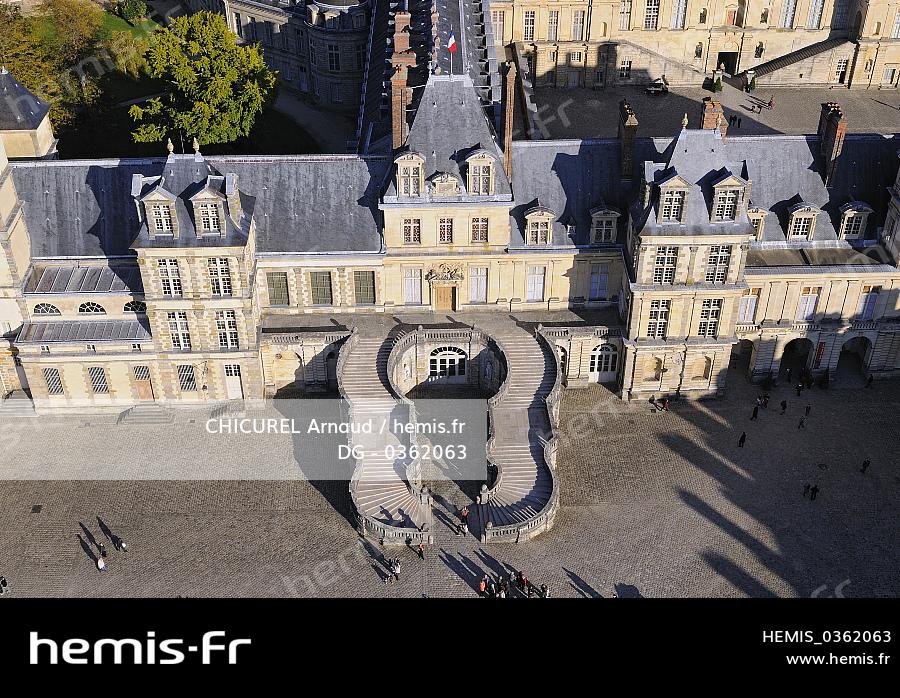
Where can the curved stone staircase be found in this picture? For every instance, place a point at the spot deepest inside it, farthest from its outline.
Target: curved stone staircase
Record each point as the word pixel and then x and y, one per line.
pixel 385 503
pixel 523 500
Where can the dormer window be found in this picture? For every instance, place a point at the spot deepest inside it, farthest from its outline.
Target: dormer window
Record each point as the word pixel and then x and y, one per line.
pixel 162 219
pixel 726 204
pixel 671 209
pixel 758 220
pixel 481 180
pixel 803 222
pixel 603 225
pixel 410 178
pixel 208 218
pixel 853 220
pixel 539 226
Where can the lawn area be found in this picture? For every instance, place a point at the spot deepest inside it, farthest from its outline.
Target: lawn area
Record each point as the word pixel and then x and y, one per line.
pixel 109 136
pixel 142 28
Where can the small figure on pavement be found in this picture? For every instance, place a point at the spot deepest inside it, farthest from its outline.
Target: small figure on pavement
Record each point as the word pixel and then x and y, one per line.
pixel 808 408
pixel 101 564
pixel 813 492
pixel 806 489
pixel 743 439
pixel 802 424
pixel 665 404
pixel 865 465
pixel 783 406
pixel 755 413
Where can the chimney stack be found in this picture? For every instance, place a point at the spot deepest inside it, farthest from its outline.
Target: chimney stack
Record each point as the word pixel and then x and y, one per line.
pixel 628 125
pixel 832 129
pixel 401 31
pixel 713 116
pixel 509 109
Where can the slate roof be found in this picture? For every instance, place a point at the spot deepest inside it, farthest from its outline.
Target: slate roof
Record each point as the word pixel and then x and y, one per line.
pixel 86 279
pixel 85 331
pixel 20 110
pixel 449 125
pixel 84 208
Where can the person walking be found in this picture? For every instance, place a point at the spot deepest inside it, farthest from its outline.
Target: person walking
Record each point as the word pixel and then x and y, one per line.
pixel 799 389
pixel 802 424
pixel 397 569
pixel 545 591
pixel 739 120
pixel 806 489
pixel 102 549
pixel 808 408
pixel 772 102
pixel 482 585
pixel 665 404
pixel 755 413
pixel 865 465
pixel 783 406
pixel 422 551
pixel 464 521
pixel 869 380
pixel 813 492
pixel 765 402
pixel 742 440
pixel 101 564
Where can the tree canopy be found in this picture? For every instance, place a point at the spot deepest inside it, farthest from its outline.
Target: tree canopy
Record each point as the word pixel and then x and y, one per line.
pixel 218 87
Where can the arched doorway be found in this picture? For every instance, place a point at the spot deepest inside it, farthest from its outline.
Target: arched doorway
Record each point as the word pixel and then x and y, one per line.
pixel 604 363
pixel 447 364
pixel 854 358
pixel 796 357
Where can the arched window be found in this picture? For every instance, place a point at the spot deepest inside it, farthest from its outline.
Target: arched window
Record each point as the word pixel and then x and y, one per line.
pixel 447 362
pixel 91 308
pixel 604 359
pixel 45 309
pixel 135 307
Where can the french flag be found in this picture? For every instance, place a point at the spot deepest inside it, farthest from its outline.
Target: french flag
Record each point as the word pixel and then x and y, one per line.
pixel 451 44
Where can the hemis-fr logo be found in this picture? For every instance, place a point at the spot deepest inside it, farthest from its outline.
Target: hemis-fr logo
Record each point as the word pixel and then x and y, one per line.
pixel 150 650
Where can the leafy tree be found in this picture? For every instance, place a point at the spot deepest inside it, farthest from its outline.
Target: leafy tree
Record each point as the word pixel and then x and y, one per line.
pixel 218 87
pixel 70 27
pixel 752 85
pixel 127 51
pixel 717 85
pixel 131 10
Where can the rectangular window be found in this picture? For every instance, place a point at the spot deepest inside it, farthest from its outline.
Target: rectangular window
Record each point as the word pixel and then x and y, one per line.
pixel 889 76
pixel 788 10
pixel 575 57
pixel 625 70
pixel 658 323
pixel 320 287
pixel 179 330
pixel 717 264
pixel 895 30
pixel 45 348
pixel 136 347
pixel 604 230
pixel 539 232
pixel 481 180
pixel 801 226
pixel 186 378
pixel 806 308
pixel 364 287
pixel 625 14
pixel 710 312
pixel 238 25
pixel 528 28
pixel 757 223
pixel 412 231
pixel 867 299
pixel 599 282
pixel 665 264
pixel 553 25
pixel 726 205
pixel 169 276
pixel 209 218
pixel 277 282
pixel 672 207
pixel 219 276
pixel 412 286
pixel 747 307
pixel 535 283
pixel 226 328
pixel 334 57
pixel 54 382
pixel 852 225
pixel 479 230
pixel 445 231
pixel 814 18
pixel 162 218
pixel 91 348
pixel 578 25
pixel 498 19
pixel 679 12
pixel 98 380
pixel 651 14
pixel 409 180
pixel 478 284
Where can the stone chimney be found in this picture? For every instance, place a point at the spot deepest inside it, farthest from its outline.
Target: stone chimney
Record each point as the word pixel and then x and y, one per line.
pixel 628 125
pixel 233 198
pixel 713 116
pixel 400 99
pixel 509 110
pixel 832 129
pixel 401 31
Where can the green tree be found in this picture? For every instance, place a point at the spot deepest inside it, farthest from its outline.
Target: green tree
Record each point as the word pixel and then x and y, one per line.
pixel 218 88
pixel 131 10
pixel 127 51
pixel 70 27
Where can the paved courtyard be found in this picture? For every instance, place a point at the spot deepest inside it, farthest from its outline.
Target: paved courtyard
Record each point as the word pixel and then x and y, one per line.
pixel 584 113
pixel 654 504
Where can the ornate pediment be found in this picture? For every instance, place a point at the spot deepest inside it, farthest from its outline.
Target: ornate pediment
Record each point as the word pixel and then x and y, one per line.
pixel 445 184
pixel 445 272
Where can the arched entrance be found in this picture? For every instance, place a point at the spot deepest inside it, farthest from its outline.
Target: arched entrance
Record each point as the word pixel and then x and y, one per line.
pixel 447 364
pixel 796 357
pixel 854 359
pixel 604 363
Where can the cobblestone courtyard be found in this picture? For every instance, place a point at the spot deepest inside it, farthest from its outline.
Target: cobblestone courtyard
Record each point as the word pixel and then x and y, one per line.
pixel 654 504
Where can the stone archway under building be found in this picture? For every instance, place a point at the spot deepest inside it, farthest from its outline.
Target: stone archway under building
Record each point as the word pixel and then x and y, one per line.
pixel 796 357
pixel 853 361
pixel 741 360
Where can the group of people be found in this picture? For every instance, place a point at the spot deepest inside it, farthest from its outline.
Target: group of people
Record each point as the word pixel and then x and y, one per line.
pixel 393 566
pixel 659 405
pixel 502 587
pixel 118 544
